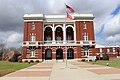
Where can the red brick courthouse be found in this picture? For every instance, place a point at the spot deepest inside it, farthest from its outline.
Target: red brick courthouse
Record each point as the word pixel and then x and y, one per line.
pixel 53 37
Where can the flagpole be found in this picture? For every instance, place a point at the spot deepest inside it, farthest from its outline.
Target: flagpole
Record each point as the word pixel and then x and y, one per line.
pixel 68 10
pixel 65 39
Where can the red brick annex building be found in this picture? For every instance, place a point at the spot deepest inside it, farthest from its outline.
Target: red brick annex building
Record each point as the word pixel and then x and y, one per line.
pixel 53 37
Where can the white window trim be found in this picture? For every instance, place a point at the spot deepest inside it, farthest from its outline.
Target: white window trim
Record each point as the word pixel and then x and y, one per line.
pixel 32 53
pixel 108 50
pixel 69 54
pixel 85 52
pixel 33 26
pixel 85 37
pixel 84 25
pixel 100 50
pixel 113 49
pixel 33 37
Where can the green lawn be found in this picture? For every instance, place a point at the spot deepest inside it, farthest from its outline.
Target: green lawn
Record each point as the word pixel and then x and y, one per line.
pixel 7 67
pixel 113 62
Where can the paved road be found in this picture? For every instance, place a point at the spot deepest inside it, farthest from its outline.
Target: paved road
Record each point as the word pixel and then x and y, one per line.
pixel 58 71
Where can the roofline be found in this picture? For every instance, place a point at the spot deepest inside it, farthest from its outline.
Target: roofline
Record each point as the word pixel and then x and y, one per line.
pixel 55 15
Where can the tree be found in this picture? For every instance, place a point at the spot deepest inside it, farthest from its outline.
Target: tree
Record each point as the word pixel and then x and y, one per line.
pixel 2 50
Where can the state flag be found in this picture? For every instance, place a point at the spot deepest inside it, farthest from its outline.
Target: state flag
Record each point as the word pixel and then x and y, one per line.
pixel 70 16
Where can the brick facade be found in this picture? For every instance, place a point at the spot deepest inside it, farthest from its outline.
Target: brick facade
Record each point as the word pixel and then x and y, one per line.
pixel 75 37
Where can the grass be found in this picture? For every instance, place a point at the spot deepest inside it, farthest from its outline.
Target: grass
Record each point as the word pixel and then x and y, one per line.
pixel 113 62
pixel 8 67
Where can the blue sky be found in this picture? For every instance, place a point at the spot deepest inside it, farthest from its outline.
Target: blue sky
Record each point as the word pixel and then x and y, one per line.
pixel 101 35
pixel 106 22
pixel 116 11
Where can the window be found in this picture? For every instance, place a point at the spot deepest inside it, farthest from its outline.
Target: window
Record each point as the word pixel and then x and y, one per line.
pixel 108 50
pixel 32 53
pixel 85 37
pixel 33 26
pixel 113 49
pixel 69 53
pixel 84 25
pixel 100 50
pixel 32 37
pixel 85 52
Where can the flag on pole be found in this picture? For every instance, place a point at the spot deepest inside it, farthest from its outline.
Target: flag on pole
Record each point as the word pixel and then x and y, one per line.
pixel 70 17
pixel 69 9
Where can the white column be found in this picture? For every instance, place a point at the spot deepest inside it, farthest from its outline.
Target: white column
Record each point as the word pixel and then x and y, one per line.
pixel 74 32
pixel 53 32
pixel 64 33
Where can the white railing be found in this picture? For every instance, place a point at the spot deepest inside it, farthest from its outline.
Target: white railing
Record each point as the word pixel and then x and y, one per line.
pixel 47 42
pixel 59 43
pixel 86 43
pixel 70 41
pixel 31 43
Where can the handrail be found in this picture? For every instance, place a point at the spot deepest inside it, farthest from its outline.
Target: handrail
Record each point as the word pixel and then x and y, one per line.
pixel 58 43
pixel 68 41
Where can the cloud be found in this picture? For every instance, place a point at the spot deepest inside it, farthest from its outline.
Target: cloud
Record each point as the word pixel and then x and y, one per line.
pixel 114 39
pixel 111 31
pixel 13 11
pixel 112 25
pixel 11 14
pixel 11 38
pixel 14 38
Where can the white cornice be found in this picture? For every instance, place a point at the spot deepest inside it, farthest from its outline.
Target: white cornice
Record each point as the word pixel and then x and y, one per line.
pixel 33 15
pixel 58 17
pixel 33 20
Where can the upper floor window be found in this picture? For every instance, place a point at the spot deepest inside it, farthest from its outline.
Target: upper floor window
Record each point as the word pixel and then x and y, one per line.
pixel 113 49
pixel 108 50
pixel 32 37
pixel 33 26
pixel 84 25
pixel 85 37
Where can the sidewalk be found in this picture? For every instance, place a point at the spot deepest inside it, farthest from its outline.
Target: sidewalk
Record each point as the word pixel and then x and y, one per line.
pixel 102 71
pixel 73 72
pixel 58 71
pixel 40 71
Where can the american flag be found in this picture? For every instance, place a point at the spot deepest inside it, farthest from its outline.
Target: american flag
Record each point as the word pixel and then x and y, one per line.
pixel 69 9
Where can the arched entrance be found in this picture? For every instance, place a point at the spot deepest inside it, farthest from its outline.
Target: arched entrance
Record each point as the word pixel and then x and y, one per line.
pixel 48 54
pixel 48 35
pixel 59 54
pixel 70 53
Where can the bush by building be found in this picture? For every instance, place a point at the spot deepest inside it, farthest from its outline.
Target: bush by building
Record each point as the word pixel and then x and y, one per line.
pixel 105 57
pixel 83 60
pixel 37 61
pixel 26 61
